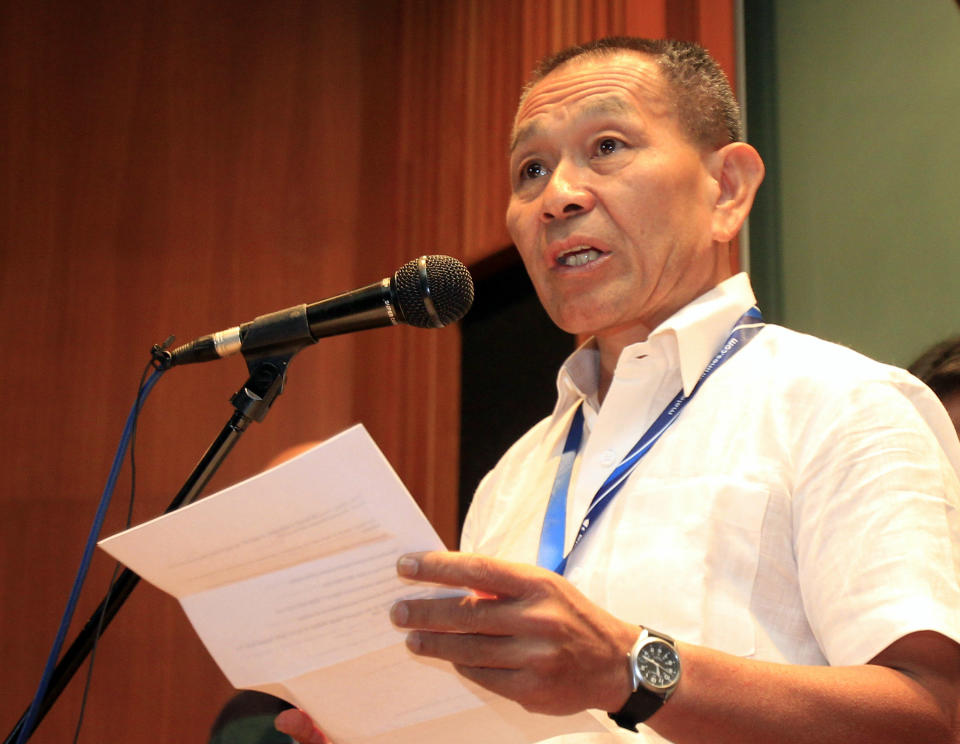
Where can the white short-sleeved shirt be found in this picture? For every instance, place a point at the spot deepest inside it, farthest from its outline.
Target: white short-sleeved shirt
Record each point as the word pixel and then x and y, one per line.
pixel 805 507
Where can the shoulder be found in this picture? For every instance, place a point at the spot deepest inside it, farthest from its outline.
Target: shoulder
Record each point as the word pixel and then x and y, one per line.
pixel 816 399
pixel 807 370
pixel 800 358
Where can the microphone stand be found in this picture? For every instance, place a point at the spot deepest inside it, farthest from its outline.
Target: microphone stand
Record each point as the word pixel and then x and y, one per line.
pixel 268 368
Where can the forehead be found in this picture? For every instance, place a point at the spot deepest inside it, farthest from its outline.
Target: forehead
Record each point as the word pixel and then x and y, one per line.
pixel 628 82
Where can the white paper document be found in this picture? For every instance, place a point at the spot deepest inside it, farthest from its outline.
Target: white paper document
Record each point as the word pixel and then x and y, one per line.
pixel 288 579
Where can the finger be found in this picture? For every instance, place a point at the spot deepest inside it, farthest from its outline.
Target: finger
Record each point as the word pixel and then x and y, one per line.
pixel 299 726
pixel 478 572
pixel 468 650
pixel 456 615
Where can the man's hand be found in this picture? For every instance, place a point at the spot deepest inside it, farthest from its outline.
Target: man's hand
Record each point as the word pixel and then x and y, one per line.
pixel 528 635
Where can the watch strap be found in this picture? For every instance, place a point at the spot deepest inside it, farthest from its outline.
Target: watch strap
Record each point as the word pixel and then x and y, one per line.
pixel 642 703
pixel 639 707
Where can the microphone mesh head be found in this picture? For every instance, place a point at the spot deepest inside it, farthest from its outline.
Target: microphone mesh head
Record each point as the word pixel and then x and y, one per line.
pixel 433 293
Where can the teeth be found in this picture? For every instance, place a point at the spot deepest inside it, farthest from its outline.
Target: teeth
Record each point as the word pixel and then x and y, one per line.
pixel 579 256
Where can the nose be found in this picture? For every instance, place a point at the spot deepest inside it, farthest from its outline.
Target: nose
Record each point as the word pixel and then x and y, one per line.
pixel 566 194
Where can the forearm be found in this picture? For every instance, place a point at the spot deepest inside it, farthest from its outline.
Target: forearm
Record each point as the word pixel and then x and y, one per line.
pixel 723 698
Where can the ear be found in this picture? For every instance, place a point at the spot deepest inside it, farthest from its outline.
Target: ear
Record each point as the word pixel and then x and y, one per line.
pixel 739 171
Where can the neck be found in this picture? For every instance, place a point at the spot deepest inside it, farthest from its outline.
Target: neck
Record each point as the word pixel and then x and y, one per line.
pixel 612 341
pixel 610 346
pixel 606 377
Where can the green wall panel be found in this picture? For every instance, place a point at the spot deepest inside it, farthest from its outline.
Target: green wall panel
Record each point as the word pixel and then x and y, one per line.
pixel 868 179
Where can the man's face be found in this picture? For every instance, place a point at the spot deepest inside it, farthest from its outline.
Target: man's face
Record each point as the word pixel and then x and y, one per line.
pixel 611 206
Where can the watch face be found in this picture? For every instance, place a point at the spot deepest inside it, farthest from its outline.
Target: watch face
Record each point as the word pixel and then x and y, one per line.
pixel 658 664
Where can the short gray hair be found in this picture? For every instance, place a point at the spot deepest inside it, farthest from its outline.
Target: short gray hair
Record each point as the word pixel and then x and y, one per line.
pixel 706 108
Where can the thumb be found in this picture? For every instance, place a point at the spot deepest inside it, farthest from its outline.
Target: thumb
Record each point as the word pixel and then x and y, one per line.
pixel 298 725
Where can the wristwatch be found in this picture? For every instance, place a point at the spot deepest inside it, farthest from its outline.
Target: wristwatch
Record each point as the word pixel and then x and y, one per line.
pixel 655 674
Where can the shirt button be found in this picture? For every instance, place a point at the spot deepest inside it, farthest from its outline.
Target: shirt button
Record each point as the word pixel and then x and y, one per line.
pixel 607 458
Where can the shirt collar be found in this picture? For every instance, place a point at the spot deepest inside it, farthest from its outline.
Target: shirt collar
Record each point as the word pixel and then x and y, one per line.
pixel 696 331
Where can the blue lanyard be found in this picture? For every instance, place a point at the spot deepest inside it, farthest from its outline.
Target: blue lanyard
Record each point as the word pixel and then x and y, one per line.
pixel 550 554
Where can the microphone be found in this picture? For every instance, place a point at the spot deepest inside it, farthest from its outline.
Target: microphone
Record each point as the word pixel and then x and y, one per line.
pixel 428 292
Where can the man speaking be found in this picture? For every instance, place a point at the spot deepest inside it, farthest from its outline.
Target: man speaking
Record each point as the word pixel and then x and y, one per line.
pixel 726 531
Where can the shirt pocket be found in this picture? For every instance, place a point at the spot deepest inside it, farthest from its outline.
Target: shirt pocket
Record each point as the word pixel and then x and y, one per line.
pixel 684 557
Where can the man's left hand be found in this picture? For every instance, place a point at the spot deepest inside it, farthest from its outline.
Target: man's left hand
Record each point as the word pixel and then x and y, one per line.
pixel 526 634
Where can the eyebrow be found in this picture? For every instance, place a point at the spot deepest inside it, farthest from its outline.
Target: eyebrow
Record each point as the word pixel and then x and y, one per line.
pixel 599 107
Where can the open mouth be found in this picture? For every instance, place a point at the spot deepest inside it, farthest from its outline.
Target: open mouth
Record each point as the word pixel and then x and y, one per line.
pixel 578 255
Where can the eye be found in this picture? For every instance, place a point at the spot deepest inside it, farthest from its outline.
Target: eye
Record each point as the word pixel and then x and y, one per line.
pixel 608 146
pixel 531 170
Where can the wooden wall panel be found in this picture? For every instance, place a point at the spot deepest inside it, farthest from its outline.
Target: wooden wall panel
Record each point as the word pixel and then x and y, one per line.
pixel 164 168
pixel 716 31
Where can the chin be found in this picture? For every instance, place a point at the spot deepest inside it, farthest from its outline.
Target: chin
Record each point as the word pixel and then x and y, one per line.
pixel 576 324
pixel 589 318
